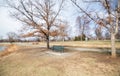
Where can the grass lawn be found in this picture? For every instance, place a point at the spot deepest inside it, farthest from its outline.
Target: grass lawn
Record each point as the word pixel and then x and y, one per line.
pixel 35 61
pixel 87 44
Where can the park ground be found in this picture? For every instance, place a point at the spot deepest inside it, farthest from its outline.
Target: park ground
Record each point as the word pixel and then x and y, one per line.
pixel 33 60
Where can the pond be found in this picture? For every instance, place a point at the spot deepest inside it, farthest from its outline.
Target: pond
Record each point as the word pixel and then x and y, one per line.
pixel 2 48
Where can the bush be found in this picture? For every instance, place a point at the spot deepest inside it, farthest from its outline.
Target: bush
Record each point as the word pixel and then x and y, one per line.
pixel 80 38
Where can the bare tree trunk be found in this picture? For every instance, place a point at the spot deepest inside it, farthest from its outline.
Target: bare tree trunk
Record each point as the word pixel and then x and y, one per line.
pixel 113 49
pixel 48 35
pixel 48 42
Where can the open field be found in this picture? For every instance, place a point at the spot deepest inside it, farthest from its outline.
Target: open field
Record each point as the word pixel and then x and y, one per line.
pixel 90 44
pixel 36 61
pixel 86 44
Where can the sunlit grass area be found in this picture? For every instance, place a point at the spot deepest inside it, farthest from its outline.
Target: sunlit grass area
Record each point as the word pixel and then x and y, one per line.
pixel 86 44
pixel 89 44
pixel 35 61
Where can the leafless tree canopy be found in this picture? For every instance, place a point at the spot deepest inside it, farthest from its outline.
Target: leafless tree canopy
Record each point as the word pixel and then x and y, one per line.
pixel 39 15
pixel 12 37
pixel 111 22
pixel 83 23
pixel 42 15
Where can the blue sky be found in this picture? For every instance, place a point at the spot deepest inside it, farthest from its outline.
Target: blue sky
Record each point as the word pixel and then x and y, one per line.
pixel 8 24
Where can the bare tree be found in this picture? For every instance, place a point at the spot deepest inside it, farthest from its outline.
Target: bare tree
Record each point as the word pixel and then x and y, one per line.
pixel 12 37
pixel 54 34
pixel 98 33
pixel 118 34
pixel 113 15
pixel 107 35
pixel 39 15
pixel 83 25
pixel 63 30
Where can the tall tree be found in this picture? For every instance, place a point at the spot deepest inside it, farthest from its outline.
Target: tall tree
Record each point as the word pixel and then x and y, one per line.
pixel 39 15
pixel 12 37
pixel 63 30
pixel 113 22
pixel 98 33
pixel 83 25
pixel 113 16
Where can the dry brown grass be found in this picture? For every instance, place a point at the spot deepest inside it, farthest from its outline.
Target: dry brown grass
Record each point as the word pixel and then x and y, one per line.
pixel 34 61
pixel 88 44
pixel 9 49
